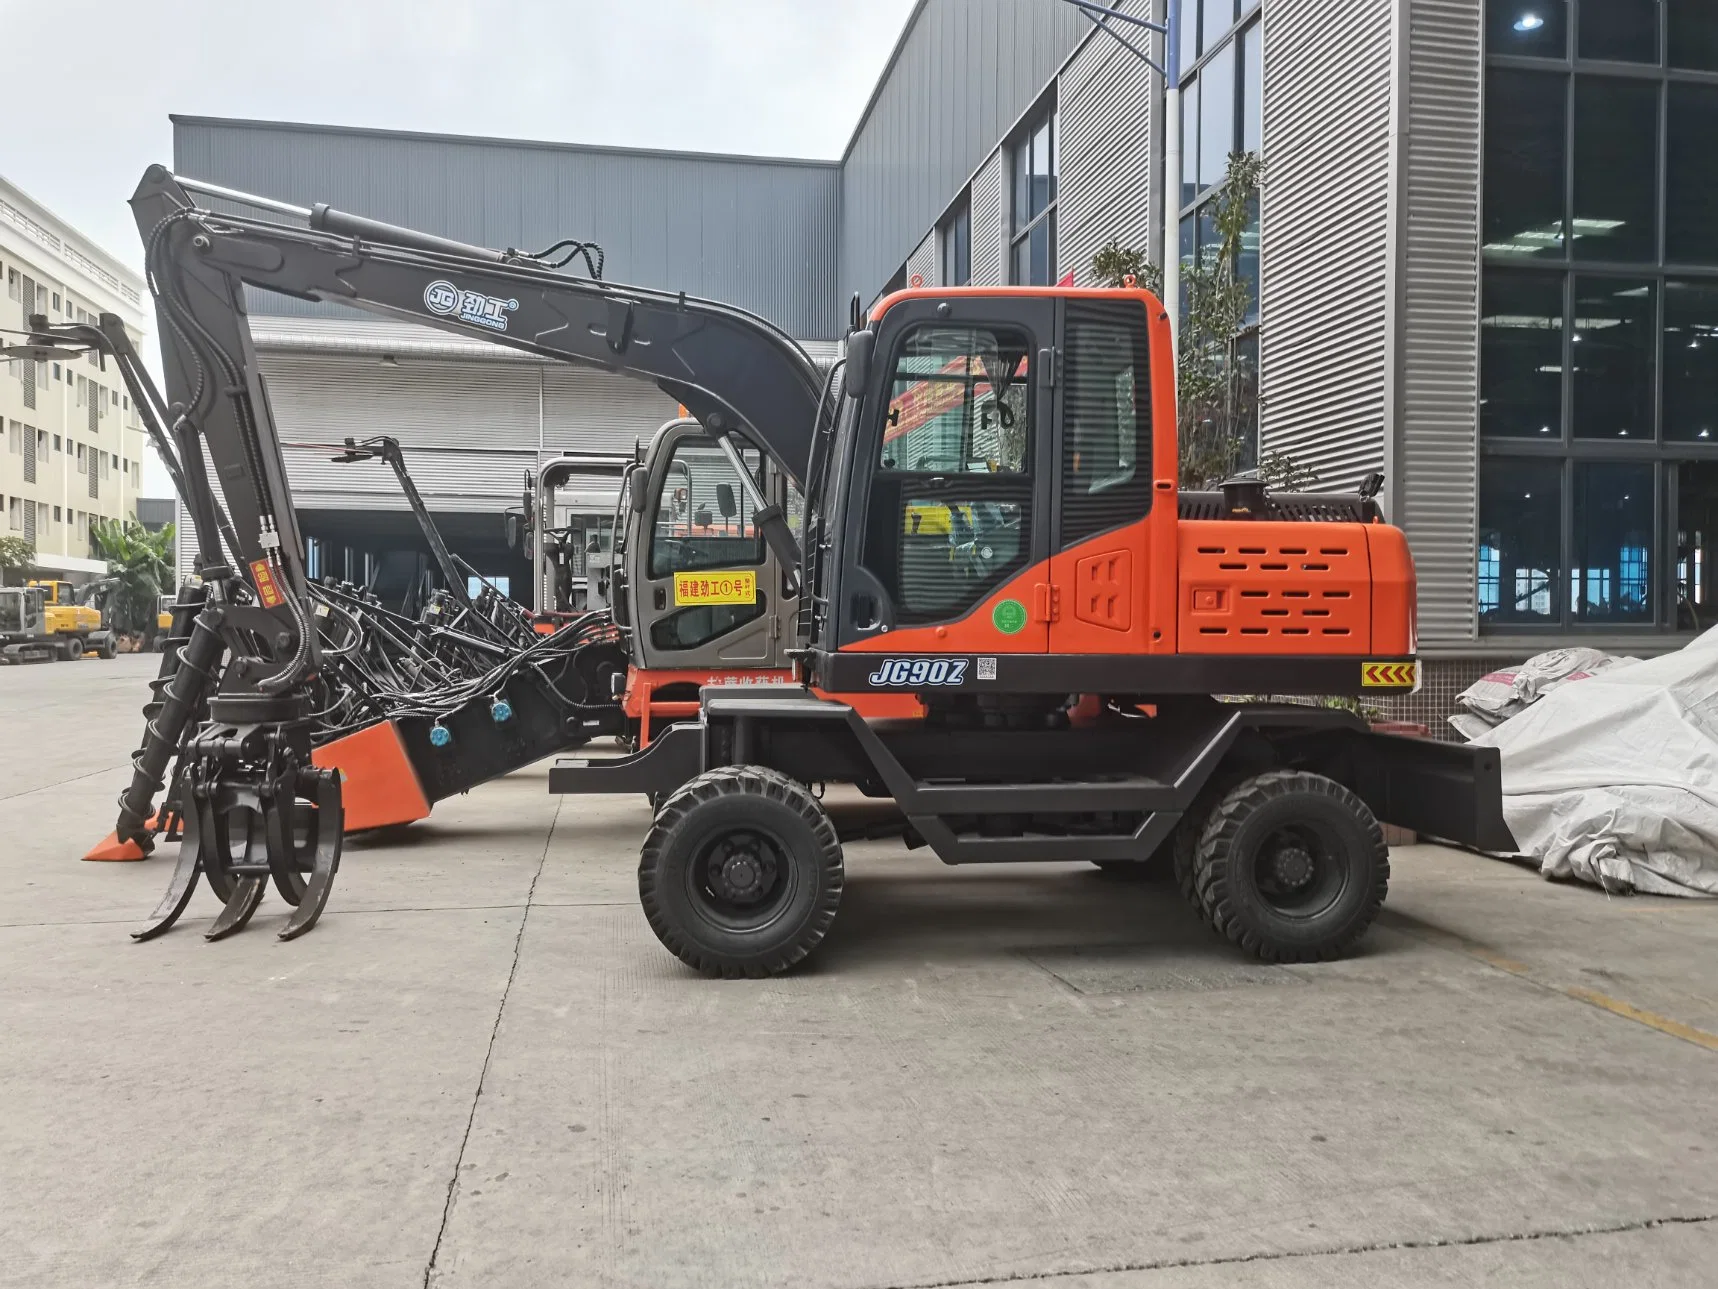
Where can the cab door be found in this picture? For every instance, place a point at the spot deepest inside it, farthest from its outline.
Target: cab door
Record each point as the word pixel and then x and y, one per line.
pixel 705 588
pixel 947 522
pixel 1102 568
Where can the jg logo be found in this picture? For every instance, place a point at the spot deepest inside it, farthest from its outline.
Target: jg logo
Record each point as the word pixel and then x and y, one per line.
pixel 446 300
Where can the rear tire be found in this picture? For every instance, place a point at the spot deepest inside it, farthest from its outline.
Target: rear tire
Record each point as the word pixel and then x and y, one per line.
pixel 741 873
pixel 1291 867
pixel 106 649
pixel 74 649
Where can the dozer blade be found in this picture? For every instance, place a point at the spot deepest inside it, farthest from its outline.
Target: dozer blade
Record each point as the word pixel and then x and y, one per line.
pixel 247 894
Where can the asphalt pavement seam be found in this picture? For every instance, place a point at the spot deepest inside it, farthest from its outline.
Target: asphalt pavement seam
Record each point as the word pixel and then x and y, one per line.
pixel 1340 1250
pixel 489 1052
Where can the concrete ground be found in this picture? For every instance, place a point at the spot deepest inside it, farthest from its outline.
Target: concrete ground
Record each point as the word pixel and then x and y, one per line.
pixel 482 1070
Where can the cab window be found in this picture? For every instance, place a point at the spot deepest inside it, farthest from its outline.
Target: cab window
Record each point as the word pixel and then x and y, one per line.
pixel 704 516
pixel 949 518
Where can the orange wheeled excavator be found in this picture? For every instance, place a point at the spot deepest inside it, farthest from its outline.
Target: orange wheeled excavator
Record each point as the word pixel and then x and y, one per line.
pixel 992 531
pixel 994 526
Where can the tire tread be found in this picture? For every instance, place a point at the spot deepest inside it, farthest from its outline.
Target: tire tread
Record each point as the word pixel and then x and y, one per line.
pixel 751 780
pixel 1210 868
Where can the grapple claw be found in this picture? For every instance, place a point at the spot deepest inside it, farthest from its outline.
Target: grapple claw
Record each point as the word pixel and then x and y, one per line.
pixel 247 894
pixel 324 835
pixel 179 889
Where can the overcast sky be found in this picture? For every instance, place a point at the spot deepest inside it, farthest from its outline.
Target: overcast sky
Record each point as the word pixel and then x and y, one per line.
pixel 89 83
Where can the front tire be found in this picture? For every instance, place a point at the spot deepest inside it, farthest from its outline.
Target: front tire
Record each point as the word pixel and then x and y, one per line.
pixel 74 649
pixel 1291 867
pixel 741 873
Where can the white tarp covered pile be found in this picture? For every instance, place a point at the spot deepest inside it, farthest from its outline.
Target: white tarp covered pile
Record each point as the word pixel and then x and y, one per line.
pixel 1495 698
pixel 1614 779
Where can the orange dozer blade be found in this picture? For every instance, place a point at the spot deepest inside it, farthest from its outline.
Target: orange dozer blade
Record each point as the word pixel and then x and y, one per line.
pixel 378 786
pixel 111 850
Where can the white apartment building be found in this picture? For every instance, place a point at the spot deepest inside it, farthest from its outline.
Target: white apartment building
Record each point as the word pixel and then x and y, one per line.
pixel 73 444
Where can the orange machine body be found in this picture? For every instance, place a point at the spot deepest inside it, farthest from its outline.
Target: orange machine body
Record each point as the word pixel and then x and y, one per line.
pixel 1168 585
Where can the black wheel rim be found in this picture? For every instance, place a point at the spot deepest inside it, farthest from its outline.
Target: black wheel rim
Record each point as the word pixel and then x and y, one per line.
pixel 742 878
pixel 1299 870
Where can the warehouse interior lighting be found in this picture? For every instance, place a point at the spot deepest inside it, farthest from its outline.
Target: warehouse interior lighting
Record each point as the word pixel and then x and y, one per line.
pixel 1529 22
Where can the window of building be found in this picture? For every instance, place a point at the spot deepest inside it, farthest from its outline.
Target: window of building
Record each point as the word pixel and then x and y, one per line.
pixel 1526 124
pixel 57 514
pixel 1696 495
pixel 955 240
pixel 1527 28
pixel 1034 240
pixel 1612 347
pixel 1692 38
pixel 12 286
pixel 56 371
pixel 1520 526
pixel 1598 337
pixel 56 301
pixel 57 446
pixel 1222 112
pixel 1691 360
pixel 1216 90
pixel 1691 188
pixel 1618 31
pixel 1615 215
pixel 1521 354
pixel 1610 578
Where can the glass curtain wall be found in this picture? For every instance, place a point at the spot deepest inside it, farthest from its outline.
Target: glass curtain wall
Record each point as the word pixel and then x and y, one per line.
pixel 1599 316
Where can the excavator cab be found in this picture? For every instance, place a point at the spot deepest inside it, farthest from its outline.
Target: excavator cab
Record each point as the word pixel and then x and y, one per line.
pixel 57 593
pixel 706 590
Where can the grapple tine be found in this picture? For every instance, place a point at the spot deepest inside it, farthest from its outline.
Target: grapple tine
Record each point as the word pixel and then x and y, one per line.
pixel 327 832
pixel 247 894
pixel 180 889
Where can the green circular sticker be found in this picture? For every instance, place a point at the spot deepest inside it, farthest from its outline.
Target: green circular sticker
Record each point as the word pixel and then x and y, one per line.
pixel 1009 617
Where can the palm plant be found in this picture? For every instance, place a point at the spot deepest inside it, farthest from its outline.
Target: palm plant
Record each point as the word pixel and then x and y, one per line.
pixel 139 570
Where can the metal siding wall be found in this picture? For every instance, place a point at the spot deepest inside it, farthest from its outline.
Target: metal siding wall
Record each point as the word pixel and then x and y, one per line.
pixel 923 261
pixel 1440 309
pixel 1105 98
pixel 1325 273
pixel 322 398
pixel 964 73
pixel 469 430
pixel 764 235
pixel 987 215
pixel 592 411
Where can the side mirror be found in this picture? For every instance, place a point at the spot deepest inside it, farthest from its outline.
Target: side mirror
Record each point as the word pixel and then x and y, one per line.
pixel 637 495
pixel 510 524
pixel 725 500
pixel 860 346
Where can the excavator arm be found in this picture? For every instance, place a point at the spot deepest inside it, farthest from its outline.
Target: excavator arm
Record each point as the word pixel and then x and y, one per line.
pixel 734 371
pixel 240 698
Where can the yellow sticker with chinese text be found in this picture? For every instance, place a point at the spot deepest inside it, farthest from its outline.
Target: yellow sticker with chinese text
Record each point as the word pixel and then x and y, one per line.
pixel 716 588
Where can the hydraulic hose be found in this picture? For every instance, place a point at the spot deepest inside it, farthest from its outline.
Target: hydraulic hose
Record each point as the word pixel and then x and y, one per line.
pixel 180 693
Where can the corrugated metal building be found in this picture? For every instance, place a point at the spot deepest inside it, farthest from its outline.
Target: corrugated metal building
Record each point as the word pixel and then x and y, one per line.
pixel 1436 172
